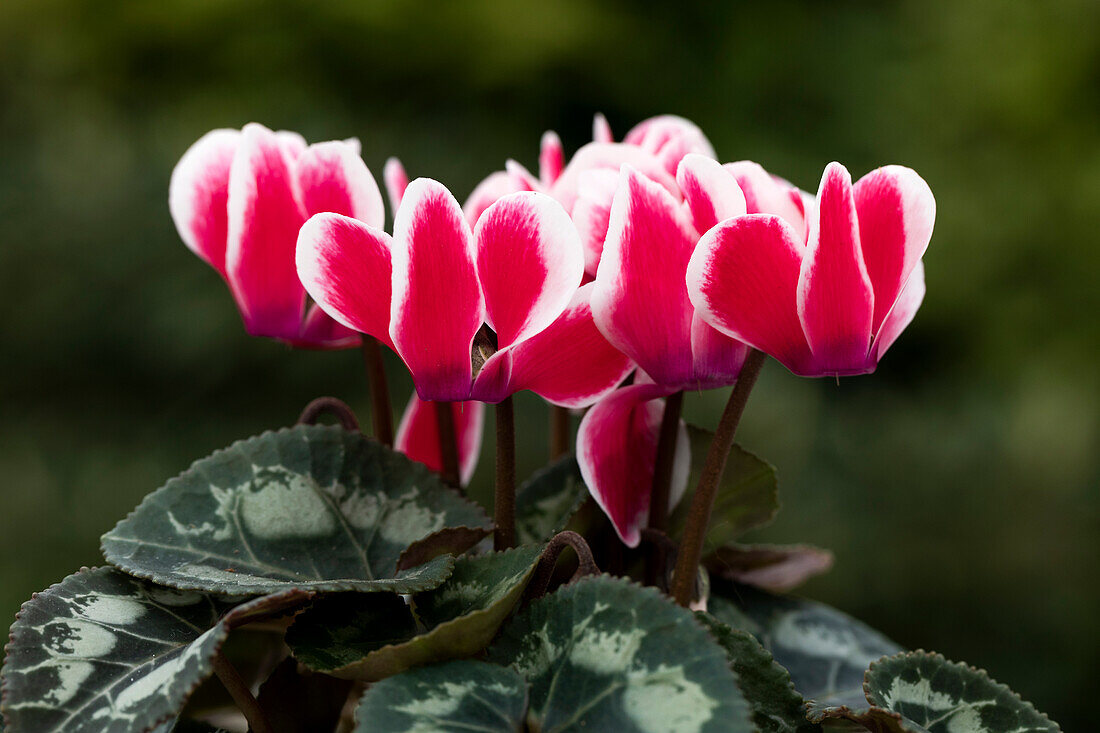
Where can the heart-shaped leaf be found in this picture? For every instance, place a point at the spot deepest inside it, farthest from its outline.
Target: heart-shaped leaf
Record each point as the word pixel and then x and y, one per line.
pixel 373 636
pixel 748 496
pixel 767 686
pixel 457 696
pixel 105 652
pixel 548 499
pixel 826 651
pixel 606 654
pixel 774 568
pixel 314 507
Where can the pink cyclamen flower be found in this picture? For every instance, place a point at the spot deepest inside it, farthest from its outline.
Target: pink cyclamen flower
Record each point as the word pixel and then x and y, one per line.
pixel 418 435
pixel 517 271
pixel 238 199
pixel 617 450
pixel 834 302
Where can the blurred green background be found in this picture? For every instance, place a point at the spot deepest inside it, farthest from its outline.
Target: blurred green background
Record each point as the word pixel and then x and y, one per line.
pixel 957 486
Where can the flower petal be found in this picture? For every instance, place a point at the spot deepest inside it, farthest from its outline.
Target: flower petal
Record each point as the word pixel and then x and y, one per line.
pixel 437 306
pixel 896 212
pixel 743 281
pixel 616 451
pixel 669 138
pixel 710 191
pixel 418 435
pixel 333 178
pixel 345 267
pixel 611 156
pixel 592 212
pixel 717 358
pixel 551 158
pixel 198 195
pixel 902 314
pixel 529 262
pixel 396 181
pixel 320 331
pixel 640 301
pixel 601 130
pixel 835 300
pixel 486 193
pixel 263 222
pixel 569 364
pixel 768 194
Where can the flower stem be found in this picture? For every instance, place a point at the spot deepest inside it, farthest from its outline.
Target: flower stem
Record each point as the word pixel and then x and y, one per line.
pixel 448 443
pixel 381 412
pixel 559 432
pixel 504 502
pixel 662 478
pixel 691 546
pixel 238 690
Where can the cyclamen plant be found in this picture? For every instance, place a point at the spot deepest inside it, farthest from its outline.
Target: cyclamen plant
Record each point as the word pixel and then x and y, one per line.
pixel 316 579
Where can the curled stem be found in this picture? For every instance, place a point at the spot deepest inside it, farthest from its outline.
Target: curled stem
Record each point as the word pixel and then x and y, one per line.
pixel 559 432
pixel 448 443
pixel 544 571
pixel 238 690
pixel 331 406
pixel 381 412
pixel 695 532
pixel 504 501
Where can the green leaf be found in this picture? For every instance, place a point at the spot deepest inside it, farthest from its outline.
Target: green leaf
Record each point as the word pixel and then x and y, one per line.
pixel 826 651
pixel 767 686
pixel 456 696
pixel 102 651
pixel 314 507
pixel 774 568
pixel 373 636
pixel 948 697
pixel 548 499
pixel 606 654
pixel 748 496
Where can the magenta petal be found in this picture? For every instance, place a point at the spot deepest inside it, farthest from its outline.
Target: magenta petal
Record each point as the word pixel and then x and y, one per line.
pixel 198 195
pixel 333 178
pixel 601 130
pixel 486 193
pixel 640 301
pixel 569 363
pixel 835 300
pixel 610 156
pixel 263 222
pixel 291 144
pixel 437 305
pixel 710 191
pixel 395 180
pixel 592 212
pixel 344 265
pixel 551 158
pixel 896 212
pixel 320 331
pixel 529 262
pixel 902 314
pixel 767 194
pixel 418 435
pixel 616 451
pixel 669 138
pixel 717 358
pixel 743 280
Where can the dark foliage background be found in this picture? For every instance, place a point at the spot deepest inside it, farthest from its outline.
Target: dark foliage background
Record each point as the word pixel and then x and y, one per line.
pixel 957 486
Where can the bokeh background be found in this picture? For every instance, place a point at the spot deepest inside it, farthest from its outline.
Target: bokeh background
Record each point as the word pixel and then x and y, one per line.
pixel 957 486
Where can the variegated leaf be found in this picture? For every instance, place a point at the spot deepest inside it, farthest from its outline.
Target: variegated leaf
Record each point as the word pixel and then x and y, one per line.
pixel 776 706
pixel 372 636
pixel 748 495
pixel 826 651
pixel 454 697
pixel 104 652
pixel 606 654
pixel 314 507
pixel 548 500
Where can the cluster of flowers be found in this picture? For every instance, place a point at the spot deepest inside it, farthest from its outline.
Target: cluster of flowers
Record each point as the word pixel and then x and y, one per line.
pixel 643 257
